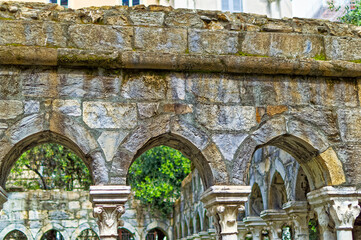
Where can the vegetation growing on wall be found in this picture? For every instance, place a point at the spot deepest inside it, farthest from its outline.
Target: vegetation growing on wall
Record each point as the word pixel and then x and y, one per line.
pixel 156 177
pixel 352 16
pixel 50 166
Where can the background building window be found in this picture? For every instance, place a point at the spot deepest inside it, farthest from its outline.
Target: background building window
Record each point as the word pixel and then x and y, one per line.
pixel 124 234
pixel 64 3
pixel 130 2
pixel 232 5
pixel 52 235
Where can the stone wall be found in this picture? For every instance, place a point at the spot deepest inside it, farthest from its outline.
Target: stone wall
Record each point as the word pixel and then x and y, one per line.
pixel 35 212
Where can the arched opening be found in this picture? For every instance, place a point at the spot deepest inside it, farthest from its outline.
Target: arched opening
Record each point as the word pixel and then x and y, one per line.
pixel 356 231
pixel 88 234
pixel 15 235
pixel 33 141
pixel 255 201
pixel 278 195
pixel 52 235
pixel 198 223
pixel 191 227
pixel 156 234
pixel 302 186
pixel 205 222
pixel 286 233
pixel 49 166
pixel 125 234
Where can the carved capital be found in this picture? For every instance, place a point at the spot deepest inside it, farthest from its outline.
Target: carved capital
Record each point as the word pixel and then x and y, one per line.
pixel 223 203
pixel 108 203
pixel 344 213
pixel 298 213
pixel 108 219
pixel 3 197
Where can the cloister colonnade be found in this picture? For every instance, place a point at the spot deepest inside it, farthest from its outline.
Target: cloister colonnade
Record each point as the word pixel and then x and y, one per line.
pixel 112 82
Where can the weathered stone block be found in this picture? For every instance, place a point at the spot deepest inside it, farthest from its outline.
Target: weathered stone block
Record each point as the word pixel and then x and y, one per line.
pixel 12 32
pixel 228 144
pixel 213 42
pixel 145 86
pixel 100 37
pixel 110 141
pixel 147 110
pixel 236 118
pixel 151 39
pixel 10 109
pixel 183 19
pixel 109 115
pixel 31 106
pixel 37 83
pixel 68 107
pixel 339 48
pixel 147 18
pixel 349 120
pixel 209 88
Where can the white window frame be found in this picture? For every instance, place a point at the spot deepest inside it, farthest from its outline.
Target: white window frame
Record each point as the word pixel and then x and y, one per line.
pixel 231 7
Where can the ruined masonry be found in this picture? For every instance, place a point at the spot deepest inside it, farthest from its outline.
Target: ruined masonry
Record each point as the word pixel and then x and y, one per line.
pixel 113 82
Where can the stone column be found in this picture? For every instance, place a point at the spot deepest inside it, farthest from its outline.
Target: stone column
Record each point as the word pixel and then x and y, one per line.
pixel 255 225
pixel 275 219
pixel 223 203
pixel 323 219
pixel 108 203
pixel 3 197
pixel 339 203
pixel 242 230
pixel 298 212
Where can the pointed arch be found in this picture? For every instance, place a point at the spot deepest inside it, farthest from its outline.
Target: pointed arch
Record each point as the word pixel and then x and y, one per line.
pixel 255 202
pixel 35 129
pixel 277 193
pixel 307 144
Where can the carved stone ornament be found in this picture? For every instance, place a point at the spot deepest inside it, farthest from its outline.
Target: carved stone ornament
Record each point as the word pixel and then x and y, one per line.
pixel 109 218
pixel 224 203
pixel 344 213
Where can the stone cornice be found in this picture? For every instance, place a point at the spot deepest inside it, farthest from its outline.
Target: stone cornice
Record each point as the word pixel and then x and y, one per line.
pixel 63 57
pixel 110 194
pixel 330 193
pixel 225 195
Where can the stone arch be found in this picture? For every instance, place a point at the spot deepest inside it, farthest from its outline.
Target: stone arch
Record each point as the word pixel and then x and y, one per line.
pixel 255 202
pixel 52 226
pixel 307 144
pixel 158 225
pixel 18 227
pixel 131 229
pixel 302 186
pixel 192 142
pixel 34 130
pixel 277 192
pixel 83 227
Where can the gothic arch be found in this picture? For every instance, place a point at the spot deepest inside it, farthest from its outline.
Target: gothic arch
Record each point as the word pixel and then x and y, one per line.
pixel 18 227
pixel 255 203
pixel 83 227
pixel 192 142
pixel 307 144
pixel 52 226
pixel 34 130
pixel 277 192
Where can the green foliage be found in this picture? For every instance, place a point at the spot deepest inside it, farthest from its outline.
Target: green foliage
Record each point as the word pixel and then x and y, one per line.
pixel 313 232
pixel 352 16
pixel 156 177
pixel 56 166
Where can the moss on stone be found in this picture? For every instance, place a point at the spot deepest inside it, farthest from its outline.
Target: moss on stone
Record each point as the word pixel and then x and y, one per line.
pixel 239 53
pixel 320 57
pixel 356 61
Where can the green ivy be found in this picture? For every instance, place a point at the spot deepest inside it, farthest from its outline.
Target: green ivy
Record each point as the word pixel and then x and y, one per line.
pixel 156 177
pixel 349 16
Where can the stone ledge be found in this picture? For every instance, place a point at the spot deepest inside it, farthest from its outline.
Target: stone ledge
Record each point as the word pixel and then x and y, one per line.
pixel 42 56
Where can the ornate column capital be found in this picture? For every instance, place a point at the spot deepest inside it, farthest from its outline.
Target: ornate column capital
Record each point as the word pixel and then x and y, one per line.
pixel 108 203
pixel 275 219
pixel 340 203
pixel 3 197
pixel 223 203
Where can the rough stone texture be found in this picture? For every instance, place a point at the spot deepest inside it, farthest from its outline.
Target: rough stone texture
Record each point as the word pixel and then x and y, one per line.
pixel 69 212
pixel 110 82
